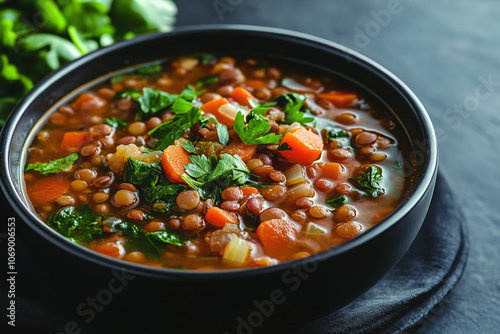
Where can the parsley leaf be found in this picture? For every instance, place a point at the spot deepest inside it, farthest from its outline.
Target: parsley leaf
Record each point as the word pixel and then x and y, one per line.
pixel 222 132
pixel 151 182
pixel 186 115
pixel 337 201
pixel 255 131
pixel 211 176
pixel 291 104
pixel 116 122
pixel 80 225
pixel 128 93
pixel 369 181
pixel 54 166
pixel 189 147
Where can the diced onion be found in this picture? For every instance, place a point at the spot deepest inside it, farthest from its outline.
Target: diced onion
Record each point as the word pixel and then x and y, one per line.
pixel 295 174
pixel 236 252
pixel 220 239
pixel 230 110
pixel 294 85
pixel 315 230
pixel 304 189
pixel 293 126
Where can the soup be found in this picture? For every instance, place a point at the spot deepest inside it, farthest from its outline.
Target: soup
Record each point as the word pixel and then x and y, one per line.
pixel 206 162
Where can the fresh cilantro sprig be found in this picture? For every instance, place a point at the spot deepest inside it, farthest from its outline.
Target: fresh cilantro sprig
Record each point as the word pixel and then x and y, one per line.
pixel 54 166
pixel 370 181
pixel 256 130
pixel 291 104
pixel 210 176
pixel 207 80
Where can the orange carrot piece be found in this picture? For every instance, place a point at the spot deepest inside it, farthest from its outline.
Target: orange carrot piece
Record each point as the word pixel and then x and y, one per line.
pixel 212 107
pixel 339 99
pixel 306 146
pixel 218 217
pixel 173 160
pixel 240 148
pixel 247 191
pixel 110 249
pixel 48 189
pixel 332 170
pixel 73 141
pixel 242 96
pixel 278 237
pixel 90 103
pixel 256 84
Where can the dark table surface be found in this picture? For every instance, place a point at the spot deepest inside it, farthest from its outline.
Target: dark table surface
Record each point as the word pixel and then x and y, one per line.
pixel 446 51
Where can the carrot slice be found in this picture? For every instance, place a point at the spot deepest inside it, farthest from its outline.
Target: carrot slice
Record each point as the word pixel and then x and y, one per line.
pixel 73 141
pixel 218 217
pixel 212 107
pixel 110 249
pixel 240 148
pixel 332 170
pixel 90 103
pixel 242 96
pixel 173 160
pixel 278 237
pixel 305 146
pixel 339 99
pixel 247 191
pixel 48 189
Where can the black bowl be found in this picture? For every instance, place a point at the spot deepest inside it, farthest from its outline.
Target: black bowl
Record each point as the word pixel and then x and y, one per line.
pixel 237 301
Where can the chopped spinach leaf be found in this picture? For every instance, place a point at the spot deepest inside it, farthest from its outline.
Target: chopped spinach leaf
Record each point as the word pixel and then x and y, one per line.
pixel 186 115
pixel 167 237
pixel 369 181
pixel 128 93
pixel 291 104
pixel 151 182
pixel 80 225
pixel 207 80
pixel 284 147
pixel 117 123
pixel 337 201
pixel 54 166
pixel 256 131
pixel 119 77
pixel 335 133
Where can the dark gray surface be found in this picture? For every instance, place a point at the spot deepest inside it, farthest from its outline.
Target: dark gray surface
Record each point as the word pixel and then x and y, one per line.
pixel 440 49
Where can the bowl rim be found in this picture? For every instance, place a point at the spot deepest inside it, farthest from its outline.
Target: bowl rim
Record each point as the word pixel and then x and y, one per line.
pixel 422 183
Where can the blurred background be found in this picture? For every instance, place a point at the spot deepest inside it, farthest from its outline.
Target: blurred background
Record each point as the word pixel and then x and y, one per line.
pixel 446 51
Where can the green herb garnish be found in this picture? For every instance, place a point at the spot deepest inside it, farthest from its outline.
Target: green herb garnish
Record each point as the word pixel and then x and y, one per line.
pixel 284 147
pixel 369 181
pixel 80 225
pixel 207 80
pixel 256 131
pixel 207 58
pixel 186 115
pixel 149 69
pixel 291 104
pixel 335 133
pixel 210 176
pixel 54 166
pixel 337 201
pixel 189 147
pixel 117 123
pixel 152 183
